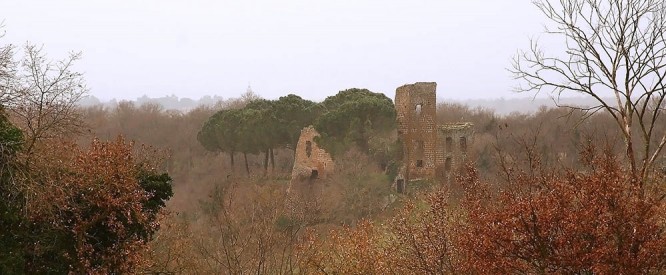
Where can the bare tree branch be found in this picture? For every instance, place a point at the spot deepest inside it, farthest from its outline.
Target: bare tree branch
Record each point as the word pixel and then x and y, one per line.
pixel 42 96
pixel 613 48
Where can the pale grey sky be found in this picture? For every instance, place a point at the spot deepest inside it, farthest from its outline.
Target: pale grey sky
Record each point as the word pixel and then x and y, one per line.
pixel 312 48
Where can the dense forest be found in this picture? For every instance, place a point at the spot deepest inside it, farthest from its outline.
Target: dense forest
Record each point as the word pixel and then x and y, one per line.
pixel 223 218
pixel 142 188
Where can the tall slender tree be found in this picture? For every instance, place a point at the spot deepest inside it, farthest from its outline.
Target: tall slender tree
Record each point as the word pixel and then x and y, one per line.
pixel 614 52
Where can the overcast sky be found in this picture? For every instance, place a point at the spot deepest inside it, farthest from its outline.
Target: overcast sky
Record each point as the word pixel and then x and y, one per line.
pixel 312 48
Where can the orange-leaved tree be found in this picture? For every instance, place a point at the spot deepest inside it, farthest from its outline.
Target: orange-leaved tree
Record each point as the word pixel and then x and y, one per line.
pixel 99 207
pixel 586 221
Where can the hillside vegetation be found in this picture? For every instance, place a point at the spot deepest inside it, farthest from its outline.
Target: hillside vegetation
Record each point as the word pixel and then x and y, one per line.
pixel 135 188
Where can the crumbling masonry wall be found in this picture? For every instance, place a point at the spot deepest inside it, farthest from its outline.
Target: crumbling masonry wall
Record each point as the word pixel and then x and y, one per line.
pixel 310 161
pixel 455 140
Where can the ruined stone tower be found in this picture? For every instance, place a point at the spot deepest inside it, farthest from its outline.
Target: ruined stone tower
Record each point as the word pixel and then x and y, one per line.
pixel 431 151
pixel 416 106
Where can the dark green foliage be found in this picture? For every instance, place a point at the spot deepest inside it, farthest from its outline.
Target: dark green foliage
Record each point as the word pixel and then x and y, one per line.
pixel 11 138
pixel 12 223
pixel 38 246
pixel 18 234
pixel 159 186
pixel 209 136
pixel 220 133
pixel 352 117
pixel 351 95
pixel 259 127
pixel 293 114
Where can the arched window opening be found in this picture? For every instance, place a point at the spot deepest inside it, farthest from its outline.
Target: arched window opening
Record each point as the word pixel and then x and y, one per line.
pixel 463 144
pixel 308 148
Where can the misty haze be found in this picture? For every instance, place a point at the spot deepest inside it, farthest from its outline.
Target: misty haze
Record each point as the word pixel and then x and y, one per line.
pixel 333 137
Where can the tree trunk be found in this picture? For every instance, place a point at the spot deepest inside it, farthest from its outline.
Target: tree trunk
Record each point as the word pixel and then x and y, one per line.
pixel 247 166
pixel 266 161
pixel 272 160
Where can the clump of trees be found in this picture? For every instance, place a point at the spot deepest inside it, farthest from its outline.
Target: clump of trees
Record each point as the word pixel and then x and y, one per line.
pixel 94 209
pixel 258 127
pixel 354 117
pixel 68 208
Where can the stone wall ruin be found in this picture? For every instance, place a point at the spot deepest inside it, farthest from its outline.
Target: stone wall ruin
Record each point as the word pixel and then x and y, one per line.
pixel 310 161
pixel 455 141
pixel 430 151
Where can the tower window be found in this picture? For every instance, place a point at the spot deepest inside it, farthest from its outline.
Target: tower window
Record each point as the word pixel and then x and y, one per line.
pixel 417 110
pixel 463 144
pixel 308 148
pixel 419 163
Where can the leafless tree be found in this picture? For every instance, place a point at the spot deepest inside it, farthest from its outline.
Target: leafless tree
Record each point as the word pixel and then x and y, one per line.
pixel 615 52
pixel 6 66
pixel 41 97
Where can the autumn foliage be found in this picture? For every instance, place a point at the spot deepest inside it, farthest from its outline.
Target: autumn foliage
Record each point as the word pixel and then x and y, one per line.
pixel 83 209
pixel 594 220
pixel 95 198
pixel 418 240
pixel 542 221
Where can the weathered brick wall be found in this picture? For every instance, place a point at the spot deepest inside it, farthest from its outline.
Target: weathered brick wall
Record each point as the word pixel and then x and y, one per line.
pixel 455 141
pixel 302 194
pixel 309 157
pixel 416 106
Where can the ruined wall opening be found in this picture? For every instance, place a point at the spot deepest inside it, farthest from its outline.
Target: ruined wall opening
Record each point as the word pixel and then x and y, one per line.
pixel 463 144
pixel 419 163
pixel 308 148
pixel 417 109
pixel 401 186
pixel 314 174
pixel 449 144
pixel 447 165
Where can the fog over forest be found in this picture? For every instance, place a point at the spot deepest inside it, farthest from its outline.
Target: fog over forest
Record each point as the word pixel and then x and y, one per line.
pixel 405 150
pixel 499 106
